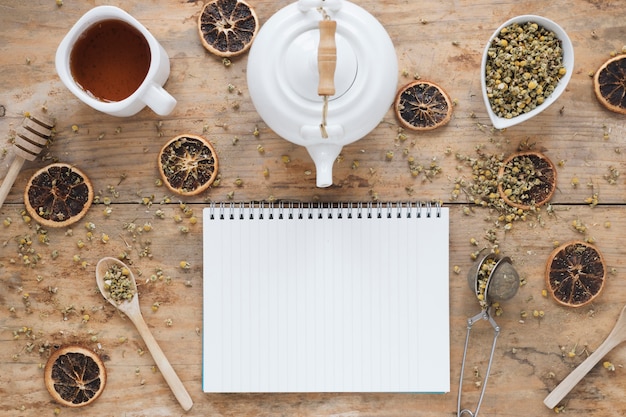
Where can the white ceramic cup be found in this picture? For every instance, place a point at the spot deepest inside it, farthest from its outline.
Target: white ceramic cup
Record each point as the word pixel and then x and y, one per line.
pixel 150 93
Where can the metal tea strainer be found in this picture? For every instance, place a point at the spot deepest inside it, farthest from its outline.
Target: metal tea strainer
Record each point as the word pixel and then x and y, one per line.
pixel 492 279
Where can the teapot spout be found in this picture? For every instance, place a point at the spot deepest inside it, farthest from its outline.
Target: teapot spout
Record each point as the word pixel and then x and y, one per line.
pixel 324 156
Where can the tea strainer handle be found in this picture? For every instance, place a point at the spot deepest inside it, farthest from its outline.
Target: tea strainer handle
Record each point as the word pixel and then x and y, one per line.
pixel 483 315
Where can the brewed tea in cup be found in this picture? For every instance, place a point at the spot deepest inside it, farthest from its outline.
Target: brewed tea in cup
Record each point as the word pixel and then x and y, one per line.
pixel 112 63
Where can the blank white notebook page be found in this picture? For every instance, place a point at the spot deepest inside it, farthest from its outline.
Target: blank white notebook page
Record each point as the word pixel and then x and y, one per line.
pixel 350 299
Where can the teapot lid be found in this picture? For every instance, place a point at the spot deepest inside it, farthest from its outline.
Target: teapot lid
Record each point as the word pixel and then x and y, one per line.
pixel 283 78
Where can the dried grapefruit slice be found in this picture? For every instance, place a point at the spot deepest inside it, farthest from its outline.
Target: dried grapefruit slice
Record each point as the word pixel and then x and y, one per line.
pixel 609 84
pixel 422 105
pixel 575 273
pixel 188 164
pixel 527 179
pixel 227 27
pixel 75 376
pixel 58 195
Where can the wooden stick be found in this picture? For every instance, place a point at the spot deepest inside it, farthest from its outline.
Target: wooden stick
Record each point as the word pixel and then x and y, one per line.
pixel 617 336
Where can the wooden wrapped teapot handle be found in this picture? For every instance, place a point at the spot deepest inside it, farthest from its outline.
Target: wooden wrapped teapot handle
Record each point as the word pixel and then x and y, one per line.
pixel 327 58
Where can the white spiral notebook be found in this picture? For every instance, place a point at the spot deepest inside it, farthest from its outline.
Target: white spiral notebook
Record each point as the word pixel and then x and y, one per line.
pixel 326 298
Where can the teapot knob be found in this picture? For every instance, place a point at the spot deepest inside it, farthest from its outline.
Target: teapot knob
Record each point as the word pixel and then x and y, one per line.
pixel 306 5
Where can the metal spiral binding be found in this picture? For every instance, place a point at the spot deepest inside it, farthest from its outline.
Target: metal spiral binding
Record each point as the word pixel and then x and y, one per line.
pixel 296 210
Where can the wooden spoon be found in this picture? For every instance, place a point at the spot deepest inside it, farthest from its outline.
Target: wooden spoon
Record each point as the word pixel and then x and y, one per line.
pixel 31 137
pixel 131 309
pixel 617 336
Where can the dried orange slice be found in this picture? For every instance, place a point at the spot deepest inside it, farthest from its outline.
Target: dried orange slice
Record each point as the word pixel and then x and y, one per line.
pixel 58 195
pixel 575 273
pixel 422 105
pixel 75 376
pixel 609 84
pixel 527 179
pixel 188 164
pixel 227 27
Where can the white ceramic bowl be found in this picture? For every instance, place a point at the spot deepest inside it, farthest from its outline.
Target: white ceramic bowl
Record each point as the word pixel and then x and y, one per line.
pixel 568 63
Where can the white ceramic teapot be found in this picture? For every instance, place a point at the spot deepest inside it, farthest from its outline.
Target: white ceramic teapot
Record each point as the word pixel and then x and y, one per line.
pixel 322 74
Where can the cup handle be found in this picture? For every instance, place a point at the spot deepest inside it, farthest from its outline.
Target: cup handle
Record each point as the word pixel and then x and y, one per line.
pixel 159 100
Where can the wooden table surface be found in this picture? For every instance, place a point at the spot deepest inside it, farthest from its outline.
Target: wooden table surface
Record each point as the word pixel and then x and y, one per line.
pixel 43 304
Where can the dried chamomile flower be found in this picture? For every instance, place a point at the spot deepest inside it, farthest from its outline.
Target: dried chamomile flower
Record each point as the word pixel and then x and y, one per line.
pixel 118 283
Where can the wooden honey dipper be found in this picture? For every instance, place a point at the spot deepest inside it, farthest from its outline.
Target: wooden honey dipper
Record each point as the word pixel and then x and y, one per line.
pixel 30 139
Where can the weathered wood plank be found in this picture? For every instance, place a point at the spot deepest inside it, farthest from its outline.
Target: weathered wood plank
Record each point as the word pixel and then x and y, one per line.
pixel 441 41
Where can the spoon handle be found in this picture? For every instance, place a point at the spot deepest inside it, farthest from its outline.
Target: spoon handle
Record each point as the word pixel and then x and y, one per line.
pixel 164 365
pixel 553 399
pixel 9 179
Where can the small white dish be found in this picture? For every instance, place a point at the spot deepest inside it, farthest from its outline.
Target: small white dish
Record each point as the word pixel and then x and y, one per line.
pixel 568 62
